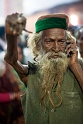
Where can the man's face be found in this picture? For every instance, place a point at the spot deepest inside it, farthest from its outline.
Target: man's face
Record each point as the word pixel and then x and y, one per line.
pixel 54 40
pixel 52 58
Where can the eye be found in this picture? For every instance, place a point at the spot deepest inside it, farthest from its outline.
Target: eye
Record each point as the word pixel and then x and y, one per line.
pixel 61 41
pixel 49 40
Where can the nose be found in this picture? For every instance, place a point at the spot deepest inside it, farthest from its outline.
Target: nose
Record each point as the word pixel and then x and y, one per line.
pixel 56 47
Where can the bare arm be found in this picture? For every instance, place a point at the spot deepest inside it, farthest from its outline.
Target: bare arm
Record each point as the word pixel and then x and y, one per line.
pixel 73 61
pixel 11 55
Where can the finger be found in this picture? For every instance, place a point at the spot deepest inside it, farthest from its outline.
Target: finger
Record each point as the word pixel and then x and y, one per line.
pixel 15 23
pixel 69 51
pixel 72 51
pixel 71 45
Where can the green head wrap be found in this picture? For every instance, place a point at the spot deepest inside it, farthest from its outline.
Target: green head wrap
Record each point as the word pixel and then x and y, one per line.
pixel 52 22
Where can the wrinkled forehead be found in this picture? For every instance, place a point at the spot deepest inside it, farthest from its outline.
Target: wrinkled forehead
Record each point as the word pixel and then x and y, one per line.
pixel 54 33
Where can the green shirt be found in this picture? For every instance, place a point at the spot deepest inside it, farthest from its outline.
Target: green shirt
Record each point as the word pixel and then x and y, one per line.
pixel 71 110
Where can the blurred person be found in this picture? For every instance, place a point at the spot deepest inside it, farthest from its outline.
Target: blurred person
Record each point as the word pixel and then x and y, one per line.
pixel 20 40
pixel 54 81
pixel 21 60
pixel 28 56
pixel 24 52
pixel 72 29
pixel 6 96
pixel 20 53
pixel 79 37
pixel 10 104
pixel 9 96
pixel 3 44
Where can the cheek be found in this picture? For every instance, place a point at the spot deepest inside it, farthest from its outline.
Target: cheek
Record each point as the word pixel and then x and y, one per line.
pixel 62 47
pixel 48 46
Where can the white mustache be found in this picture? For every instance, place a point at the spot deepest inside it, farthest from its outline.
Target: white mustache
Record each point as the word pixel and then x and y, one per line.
pixel 52 54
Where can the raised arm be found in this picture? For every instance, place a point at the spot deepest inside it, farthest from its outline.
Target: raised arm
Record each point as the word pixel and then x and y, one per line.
pixel 73 61
pixel 14 25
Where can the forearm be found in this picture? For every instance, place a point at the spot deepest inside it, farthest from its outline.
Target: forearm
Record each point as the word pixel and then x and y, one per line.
pixel 78 72
pixel 22 71
pixel 11 55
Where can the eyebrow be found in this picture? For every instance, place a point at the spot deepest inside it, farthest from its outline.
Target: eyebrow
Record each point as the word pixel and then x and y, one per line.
pixel 53 38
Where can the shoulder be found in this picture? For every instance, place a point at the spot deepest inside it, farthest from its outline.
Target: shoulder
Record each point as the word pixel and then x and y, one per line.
pixel 32 68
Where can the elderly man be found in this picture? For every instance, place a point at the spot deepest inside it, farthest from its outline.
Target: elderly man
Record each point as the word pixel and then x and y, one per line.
pixel 54 81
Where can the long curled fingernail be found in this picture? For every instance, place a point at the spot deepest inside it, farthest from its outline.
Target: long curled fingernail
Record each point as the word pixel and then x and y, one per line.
pixel 27 31
pixel 19 20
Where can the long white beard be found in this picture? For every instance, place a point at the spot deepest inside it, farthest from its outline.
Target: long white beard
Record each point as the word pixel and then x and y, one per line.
pixel 52 71
pixel 50 65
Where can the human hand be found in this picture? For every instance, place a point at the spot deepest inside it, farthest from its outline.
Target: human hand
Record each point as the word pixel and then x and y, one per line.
pixel 71 50
pixel 14 24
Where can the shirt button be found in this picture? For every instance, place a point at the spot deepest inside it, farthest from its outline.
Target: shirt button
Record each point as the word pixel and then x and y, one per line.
pixel 52 110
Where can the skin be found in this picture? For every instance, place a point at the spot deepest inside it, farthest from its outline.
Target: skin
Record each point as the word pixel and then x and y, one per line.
pixel 52 40
pixel 55 40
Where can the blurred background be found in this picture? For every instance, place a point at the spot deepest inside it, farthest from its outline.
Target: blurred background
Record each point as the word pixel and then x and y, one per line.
pixel 32 9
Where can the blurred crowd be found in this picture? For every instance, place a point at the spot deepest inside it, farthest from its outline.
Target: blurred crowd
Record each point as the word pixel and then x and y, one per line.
pixel 11 87
pixel 77 32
